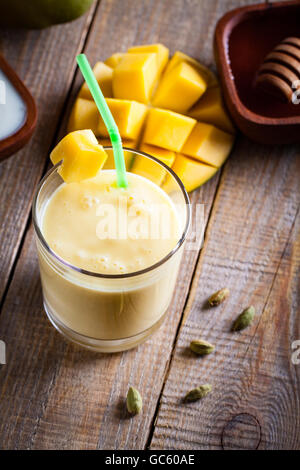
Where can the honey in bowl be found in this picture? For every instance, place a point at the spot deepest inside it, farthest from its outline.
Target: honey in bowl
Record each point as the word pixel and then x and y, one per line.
pixel 256 36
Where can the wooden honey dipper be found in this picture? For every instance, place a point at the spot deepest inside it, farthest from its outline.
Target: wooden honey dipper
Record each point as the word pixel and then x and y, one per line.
pixel 280 72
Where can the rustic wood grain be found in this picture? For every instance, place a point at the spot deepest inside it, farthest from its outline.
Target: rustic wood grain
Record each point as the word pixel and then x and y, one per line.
pixel 253 248
pixel 55 395
pixel 44 60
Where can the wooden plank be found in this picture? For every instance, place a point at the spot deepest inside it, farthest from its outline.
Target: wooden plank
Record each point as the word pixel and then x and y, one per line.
pixel 45 62
pixel 253 249
pixel 54 395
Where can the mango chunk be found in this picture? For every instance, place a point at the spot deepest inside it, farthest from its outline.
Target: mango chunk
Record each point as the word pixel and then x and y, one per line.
pixel 161 51
pixel 180 88
pixel 82 157
pixel 210 109
pixel 208 75
pixel 84 115
pixel 192 173
pixel 135 76
pixel 104 75
pixel 114 59
pixel 129 117
pixel 164 155
pixel 149 169
pixel 185 126
pixel 208 144
pixel 110 162
pixel 167 129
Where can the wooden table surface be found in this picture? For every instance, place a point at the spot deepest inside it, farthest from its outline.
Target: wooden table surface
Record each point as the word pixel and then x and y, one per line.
pixel 54 395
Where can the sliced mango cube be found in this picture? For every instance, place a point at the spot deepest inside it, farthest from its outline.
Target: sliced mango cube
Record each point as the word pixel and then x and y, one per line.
pixel 110 163
pixel 149 169
pixel 164 155
pixel 104 75
pixel 129 117
pixel 167 129
pixel 161 51
pixel 180 88
pixel 135 76
pixel 114 59
pixel 210 109
pixel 84 115
pixel 208 144
pixel 208 75
pixel 186 126
pixel 192 173
pixel 81 155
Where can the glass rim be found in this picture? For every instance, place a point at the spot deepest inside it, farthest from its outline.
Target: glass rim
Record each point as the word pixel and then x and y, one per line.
pixel 86 272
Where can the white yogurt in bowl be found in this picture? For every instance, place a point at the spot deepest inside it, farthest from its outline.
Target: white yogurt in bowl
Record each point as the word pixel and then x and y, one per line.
pixel 13 109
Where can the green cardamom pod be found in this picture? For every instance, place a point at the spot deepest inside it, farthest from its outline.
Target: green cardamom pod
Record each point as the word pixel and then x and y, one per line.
pixel 198 393
pixel 201 347
pixel 244 319
pixel 134 401
pixel 218 297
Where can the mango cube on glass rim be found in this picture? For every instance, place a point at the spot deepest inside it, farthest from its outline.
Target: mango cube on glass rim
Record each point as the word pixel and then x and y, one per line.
pixel 128 115
pixel 210 109
pixel 180 88
pixel 104 76
pixel 208 144
pixel 84 115
pixel 192 173
pixel 81 155
pixel 167 129
pixel 208 75
pixel 135 76
pixel 161 51
pixel 114 59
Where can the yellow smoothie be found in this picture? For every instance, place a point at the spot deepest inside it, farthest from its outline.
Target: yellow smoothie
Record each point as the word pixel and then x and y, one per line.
pixel 113 232
pixel 99 227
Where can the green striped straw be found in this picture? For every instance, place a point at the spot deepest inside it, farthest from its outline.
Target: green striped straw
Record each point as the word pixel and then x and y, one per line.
pixel 107 117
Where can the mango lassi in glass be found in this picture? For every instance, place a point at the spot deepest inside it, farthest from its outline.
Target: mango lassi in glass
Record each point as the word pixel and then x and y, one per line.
pixel 109 256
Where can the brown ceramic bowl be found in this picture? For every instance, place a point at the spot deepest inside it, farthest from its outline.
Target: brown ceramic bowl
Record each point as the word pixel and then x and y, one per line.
pixel 243 38
pixel 14 142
